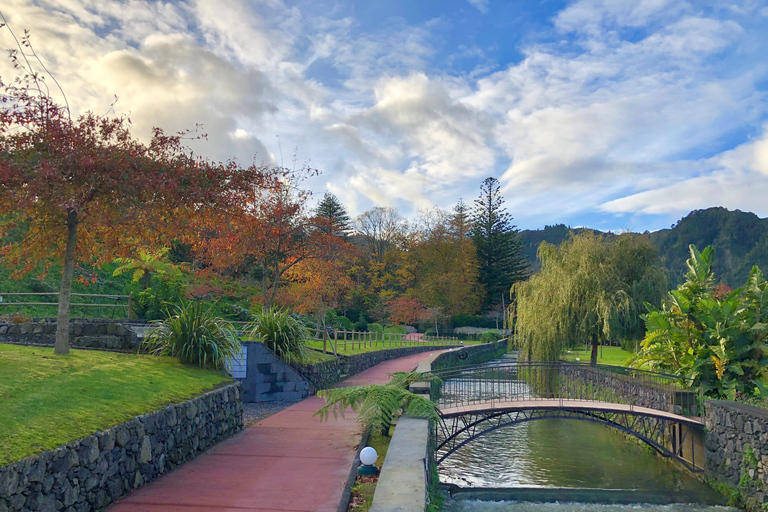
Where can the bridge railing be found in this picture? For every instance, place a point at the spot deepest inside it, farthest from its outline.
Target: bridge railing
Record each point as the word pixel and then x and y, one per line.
pixel 530 381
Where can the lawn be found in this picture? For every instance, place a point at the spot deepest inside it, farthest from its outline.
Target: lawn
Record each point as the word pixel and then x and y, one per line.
pixel 47 400
pixel 614 356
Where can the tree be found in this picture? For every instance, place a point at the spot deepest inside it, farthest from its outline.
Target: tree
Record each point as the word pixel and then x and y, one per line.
pixel 499 249
pixel 336 216
pixel 381 229
pixel 446 265
pixel 85 190
pixel 590 289
pixel 403 310
pixel 146 263
pixel 461 220
pixel 269 236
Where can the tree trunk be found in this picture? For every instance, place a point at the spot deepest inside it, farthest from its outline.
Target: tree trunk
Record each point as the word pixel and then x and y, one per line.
pixel 65 290
pixel 593 358
pixel 145 279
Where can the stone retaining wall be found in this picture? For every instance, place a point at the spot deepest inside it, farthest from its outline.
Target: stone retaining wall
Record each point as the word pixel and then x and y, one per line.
pixel 471 354
pixel 103 334
pixel 326 374
pixel 736 445
pixel 93 472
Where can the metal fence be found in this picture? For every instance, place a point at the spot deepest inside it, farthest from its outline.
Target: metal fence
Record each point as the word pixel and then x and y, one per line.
pixel 527 380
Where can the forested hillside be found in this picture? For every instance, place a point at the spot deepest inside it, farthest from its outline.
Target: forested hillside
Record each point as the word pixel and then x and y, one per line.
pixel 740 240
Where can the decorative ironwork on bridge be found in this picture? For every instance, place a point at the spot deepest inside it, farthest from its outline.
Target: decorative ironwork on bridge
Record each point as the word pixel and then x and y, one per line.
pixel 659 409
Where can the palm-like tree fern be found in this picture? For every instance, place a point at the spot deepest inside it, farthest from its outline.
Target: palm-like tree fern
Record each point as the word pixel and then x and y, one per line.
pixel 378 405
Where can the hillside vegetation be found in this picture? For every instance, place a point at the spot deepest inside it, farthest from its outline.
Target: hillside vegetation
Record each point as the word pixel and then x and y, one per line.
pixel 740 240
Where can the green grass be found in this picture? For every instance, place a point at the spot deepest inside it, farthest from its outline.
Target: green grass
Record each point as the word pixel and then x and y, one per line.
pixel 47 400
pixel 614 356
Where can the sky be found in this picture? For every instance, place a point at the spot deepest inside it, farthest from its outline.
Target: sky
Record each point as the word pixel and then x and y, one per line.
pixel 612 114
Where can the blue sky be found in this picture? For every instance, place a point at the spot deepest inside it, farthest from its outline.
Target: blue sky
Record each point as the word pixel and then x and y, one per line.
pixel 614 114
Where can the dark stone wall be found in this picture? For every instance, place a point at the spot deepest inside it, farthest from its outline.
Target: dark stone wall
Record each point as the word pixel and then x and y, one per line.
pixel 93 472
pixel 269 379
pixel 326 374
pixel 102 334
pixel 471 354
pixel 736 445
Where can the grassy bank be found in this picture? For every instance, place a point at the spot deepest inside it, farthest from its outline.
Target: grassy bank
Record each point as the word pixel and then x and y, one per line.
pixel 47 400
pixel 614 356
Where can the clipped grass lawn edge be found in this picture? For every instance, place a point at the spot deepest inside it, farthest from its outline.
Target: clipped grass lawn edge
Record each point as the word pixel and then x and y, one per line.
pixel 100 468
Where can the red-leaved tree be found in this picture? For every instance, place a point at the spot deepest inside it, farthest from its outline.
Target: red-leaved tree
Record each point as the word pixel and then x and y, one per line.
pixel 85 190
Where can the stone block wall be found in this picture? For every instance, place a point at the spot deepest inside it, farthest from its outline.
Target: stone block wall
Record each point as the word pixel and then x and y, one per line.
pixel 736 446
pixel 102 334
pixel 93 472
pixel 269 379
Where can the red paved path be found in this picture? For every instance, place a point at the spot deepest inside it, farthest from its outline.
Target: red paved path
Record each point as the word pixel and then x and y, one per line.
pixel 287 462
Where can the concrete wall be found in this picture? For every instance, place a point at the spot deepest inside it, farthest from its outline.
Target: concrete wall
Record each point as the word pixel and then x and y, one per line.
pixel 737 448
pixel 102 334
pixel 269 379
pixel 93 472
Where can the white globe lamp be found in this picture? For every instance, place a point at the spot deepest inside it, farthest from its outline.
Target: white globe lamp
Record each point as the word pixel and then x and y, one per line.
pixel 368 457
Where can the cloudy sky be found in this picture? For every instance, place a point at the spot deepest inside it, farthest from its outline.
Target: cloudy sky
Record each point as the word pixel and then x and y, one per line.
pixel 614 114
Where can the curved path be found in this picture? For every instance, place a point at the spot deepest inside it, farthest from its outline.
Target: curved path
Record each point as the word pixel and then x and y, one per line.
pixel 288 462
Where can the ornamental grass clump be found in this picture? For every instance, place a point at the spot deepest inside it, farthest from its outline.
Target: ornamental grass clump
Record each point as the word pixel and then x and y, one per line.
pixel 194 335
pixel 282 334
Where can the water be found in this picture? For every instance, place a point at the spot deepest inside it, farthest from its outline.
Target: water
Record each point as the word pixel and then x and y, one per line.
pixel 564 460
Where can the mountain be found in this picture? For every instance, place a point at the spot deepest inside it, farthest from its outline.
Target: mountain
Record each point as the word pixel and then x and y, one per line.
pixel 556 235
pixel 740 240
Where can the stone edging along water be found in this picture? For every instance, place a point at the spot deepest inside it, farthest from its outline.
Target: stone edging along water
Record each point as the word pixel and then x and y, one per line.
pixel 736 446
pixel 406 475
pixel 92 472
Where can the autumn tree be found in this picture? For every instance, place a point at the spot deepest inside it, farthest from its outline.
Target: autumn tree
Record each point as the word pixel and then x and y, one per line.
pixel 499 248
pixel 381 228
pixel 270 235
pixel 404 310
pixel 85 190
pixel 446 264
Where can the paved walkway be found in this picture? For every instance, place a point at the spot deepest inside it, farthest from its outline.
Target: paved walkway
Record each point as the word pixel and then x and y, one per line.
pixel 288 462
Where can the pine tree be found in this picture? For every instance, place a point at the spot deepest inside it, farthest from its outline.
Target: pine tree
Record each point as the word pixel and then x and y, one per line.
pixel 461 222
pixel 499 248
pixel 330 208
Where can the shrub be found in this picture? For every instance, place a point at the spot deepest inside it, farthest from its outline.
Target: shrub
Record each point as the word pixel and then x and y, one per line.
pixel 281 333
pixel 491 336
pixel 195 336
pixel 378 329
pixel 362 323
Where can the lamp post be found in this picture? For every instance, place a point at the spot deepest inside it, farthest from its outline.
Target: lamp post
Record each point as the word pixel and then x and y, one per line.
pixel 368 457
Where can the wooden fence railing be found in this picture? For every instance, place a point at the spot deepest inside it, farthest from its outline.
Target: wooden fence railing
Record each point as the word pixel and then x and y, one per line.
pixel 121 301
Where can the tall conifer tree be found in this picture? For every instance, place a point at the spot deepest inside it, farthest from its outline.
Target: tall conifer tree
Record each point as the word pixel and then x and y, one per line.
pixel 330 208
pixel 499 248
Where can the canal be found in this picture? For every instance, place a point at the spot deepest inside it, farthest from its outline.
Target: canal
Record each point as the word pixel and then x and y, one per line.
pixel 581 466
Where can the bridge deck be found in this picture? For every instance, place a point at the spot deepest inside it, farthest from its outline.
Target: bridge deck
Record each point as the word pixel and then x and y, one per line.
pixel 557 403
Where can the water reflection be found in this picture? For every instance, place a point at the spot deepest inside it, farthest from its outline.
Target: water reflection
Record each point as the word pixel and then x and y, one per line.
pixel 562 453
pixel 510 506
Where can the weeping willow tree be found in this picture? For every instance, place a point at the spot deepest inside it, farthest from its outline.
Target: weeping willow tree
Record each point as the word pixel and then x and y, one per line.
pixel 590 289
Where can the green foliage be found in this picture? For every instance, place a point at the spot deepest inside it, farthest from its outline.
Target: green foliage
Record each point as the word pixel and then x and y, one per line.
pixel 195 336
pixel 378 329
pixel 153 302
pixel 491 336
pixel 590 289
pixel 472 321
pixel 379 405
pixel 362 323
pixel 721 341
pixel 282 333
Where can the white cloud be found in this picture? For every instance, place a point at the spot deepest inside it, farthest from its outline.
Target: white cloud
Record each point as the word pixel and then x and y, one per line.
pixel 481 5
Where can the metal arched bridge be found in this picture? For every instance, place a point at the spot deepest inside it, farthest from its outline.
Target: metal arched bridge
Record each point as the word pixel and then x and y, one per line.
pixel 660 409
